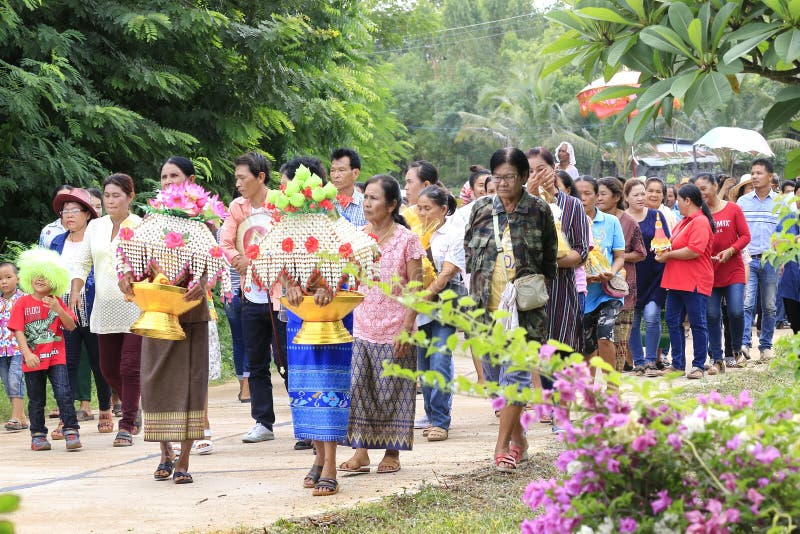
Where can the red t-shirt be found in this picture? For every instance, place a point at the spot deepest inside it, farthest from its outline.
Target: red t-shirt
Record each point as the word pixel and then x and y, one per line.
pixel 696 274
pixel 43 331
pixel 732 231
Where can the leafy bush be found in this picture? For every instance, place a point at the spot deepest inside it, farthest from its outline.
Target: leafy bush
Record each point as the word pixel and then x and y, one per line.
pixel 654 462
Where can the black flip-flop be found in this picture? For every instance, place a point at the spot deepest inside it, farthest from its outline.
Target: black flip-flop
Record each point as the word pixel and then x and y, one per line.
pixel 182 477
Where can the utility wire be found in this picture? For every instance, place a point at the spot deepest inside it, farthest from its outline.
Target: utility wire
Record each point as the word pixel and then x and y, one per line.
pixel 445 43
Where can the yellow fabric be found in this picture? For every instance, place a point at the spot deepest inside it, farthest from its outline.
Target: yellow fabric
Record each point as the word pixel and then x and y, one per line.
pixel 416 226
pixel 504 261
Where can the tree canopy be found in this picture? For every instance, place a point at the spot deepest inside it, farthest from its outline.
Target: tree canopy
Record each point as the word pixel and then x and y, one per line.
pixel 693 51
pixel 93 87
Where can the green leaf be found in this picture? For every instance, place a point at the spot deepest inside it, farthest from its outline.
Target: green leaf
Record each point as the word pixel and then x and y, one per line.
pixel 663 38
pixel 711 89
pixel 6 527
pixel 654 94
pixel 568 19
pixel 614 92
pixel 606 15
pixel 705 16
pixel 637 124
pixel 720 23
pixel 563 43
pixel 637 7
pixel 780 114
pixel 748 37
pixel 618 49
pixel 680 16
pixel 681 84
pixel 793 165
pixel 787 45
pixel 696 36
pixel 558 63
pixel 787 93
pixel 8 503
pixel 734 67
pixel 777 6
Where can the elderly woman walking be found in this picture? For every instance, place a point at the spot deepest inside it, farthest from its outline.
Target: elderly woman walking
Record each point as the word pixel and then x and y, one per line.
pixel 509 236
pixel 382 408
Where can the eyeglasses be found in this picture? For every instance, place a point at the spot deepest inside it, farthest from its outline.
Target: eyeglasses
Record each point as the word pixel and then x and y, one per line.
pixel 505 178
pixel 71 212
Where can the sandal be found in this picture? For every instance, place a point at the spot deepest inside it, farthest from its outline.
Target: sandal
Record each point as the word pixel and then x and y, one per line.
pixel 436 433
pixel 106 424
pixel 167 468
pixel 123 439
pixel 326 487
pixel 204 446
pixel 83 415
pixel 389 465
pixel 505 459
pixel 520 454
pixel 182 477
pixel 57 434
pixel 347 467
pixel 14 425
pixel 54 414
pixel 312 477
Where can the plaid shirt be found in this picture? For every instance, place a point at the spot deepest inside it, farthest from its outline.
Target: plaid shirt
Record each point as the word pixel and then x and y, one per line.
pixel 535 243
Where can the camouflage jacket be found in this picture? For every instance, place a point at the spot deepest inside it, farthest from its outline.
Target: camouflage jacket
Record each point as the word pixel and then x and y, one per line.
pixel 535 244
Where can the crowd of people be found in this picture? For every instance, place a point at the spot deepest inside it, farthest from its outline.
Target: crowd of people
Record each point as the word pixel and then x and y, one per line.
pixel 580 260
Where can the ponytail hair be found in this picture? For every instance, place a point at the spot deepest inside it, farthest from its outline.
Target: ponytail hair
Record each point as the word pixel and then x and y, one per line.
pixel 692 193
pixel 391 193
pixel 441 197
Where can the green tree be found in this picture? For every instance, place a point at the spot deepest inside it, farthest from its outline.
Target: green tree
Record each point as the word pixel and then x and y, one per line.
pixel 91 87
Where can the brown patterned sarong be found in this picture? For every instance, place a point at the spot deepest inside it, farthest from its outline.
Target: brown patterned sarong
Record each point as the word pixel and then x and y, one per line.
pixel 622 335
pixel 381 408
pixel 174 376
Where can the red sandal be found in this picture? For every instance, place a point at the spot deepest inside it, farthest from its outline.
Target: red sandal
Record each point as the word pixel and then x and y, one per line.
pixel 505 459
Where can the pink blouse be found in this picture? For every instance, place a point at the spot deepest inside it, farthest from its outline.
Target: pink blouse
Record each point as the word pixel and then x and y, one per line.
pixel 379 319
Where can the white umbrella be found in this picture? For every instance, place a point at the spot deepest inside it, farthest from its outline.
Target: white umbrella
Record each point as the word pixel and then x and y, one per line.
pixel 737 139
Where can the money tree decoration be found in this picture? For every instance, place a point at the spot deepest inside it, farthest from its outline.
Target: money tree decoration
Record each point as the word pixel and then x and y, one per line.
pixel 175 240
pixel 309 242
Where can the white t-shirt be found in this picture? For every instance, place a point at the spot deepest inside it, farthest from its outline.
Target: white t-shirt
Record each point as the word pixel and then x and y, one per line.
pixel 447 245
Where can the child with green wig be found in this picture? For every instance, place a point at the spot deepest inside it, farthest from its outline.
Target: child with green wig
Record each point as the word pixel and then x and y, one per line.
pixel 37 320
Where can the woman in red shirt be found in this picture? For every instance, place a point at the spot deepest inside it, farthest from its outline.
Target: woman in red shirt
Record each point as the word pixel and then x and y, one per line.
pixel 689 278
pixel 731 237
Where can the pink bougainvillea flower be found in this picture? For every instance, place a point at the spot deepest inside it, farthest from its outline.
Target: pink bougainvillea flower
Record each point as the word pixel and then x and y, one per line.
pixel 546 351
pixel 216 252
pixel 312 244
pixel 628 524
pixel 765 455
pixel 498 403
pixel 125 233
pixel 174 240
pixel 525 419
pixel 675 441
pixel 644 442
pixel 252 251
pixel 662 503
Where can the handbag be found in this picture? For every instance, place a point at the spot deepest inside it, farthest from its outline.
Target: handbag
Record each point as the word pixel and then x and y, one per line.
pixel 617 287
pixel 531 290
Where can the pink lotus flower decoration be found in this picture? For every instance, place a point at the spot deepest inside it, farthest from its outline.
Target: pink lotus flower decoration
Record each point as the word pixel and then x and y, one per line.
pixel 191 199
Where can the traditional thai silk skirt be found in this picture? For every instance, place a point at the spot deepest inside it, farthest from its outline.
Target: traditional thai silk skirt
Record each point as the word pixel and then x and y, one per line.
pixel 381 408
pixel 174 377
pixel 319 385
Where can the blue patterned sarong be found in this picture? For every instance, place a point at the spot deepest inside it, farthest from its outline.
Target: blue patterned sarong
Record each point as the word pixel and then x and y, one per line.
pixel 319 385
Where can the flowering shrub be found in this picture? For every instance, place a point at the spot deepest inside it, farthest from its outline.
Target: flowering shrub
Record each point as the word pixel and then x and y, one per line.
pixel 653 461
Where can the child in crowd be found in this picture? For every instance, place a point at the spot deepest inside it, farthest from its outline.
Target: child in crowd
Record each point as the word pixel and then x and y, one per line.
pixel 10 355
pixel 38 319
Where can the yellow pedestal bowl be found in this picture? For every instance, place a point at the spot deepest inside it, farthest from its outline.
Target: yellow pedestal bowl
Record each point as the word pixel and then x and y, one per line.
pixel 161 305
pixel 322 325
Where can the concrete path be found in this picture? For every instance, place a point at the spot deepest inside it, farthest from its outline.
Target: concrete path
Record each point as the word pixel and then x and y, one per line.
pixel 107 489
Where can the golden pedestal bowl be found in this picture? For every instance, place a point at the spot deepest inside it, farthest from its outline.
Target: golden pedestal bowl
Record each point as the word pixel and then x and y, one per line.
pixel 322 325
pixel 161 305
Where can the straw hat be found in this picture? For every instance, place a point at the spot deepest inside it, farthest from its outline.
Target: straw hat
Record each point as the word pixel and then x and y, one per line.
pixel 78 195
pixel 733 194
